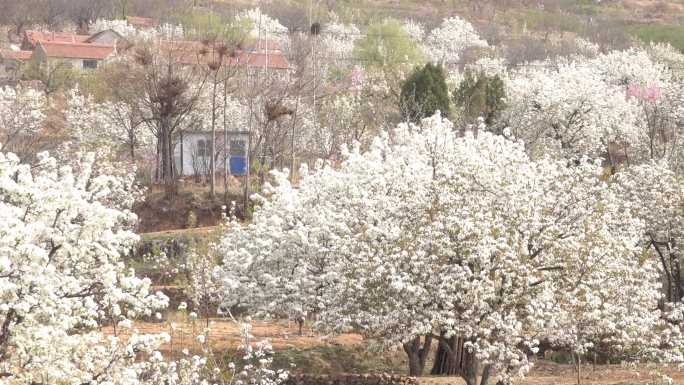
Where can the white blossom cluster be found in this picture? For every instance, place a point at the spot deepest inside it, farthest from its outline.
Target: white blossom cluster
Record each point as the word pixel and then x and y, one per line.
pixel 446 43
pixel 414 29
pixel 22 115
pixel 65 226
pixel 164 31
pixel 262 26
pixel 108 125
pixel 61 274
pixel 337 40
pixel 122 27
pixel 569 111
pixel 619 104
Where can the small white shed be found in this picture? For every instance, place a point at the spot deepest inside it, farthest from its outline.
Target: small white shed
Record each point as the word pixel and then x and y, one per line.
pixel 193 152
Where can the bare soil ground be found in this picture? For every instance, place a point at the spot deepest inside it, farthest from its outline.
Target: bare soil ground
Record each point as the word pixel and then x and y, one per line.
pixel 225 335
pixel 157 213
pixel 317 353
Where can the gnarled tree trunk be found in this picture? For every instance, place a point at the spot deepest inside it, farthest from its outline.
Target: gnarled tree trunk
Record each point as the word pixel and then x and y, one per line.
pixel 417 354
pixel 453 359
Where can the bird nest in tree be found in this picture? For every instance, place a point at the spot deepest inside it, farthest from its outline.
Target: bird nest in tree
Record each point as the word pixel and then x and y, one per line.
pixel 275 110
pixel 143 57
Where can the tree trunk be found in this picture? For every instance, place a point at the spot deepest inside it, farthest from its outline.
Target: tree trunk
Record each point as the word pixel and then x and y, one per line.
pixel 417 354
pixel 131 139
pixel 226 147
pixel 448 357
pixel 167 162
pixel 578 362
pixel 212 165
pixel 486 371
pixel 300 324
pixel 181 172
pixel 453 359
pixel 157 163
pixel 165 166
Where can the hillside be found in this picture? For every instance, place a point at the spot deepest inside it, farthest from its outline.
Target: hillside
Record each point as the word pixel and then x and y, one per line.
pixel 603 21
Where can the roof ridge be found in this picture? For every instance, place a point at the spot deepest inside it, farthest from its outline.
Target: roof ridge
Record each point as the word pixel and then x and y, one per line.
pixel 78 43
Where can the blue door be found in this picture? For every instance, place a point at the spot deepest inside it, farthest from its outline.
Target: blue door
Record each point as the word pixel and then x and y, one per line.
pixel 238 165
pixel 238 157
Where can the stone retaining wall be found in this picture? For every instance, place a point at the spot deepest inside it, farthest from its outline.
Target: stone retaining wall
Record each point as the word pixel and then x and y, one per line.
pixel 351 379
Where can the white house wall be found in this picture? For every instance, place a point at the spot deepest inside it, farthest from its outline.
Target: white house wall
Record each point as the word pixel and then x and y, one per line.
pixel 190 140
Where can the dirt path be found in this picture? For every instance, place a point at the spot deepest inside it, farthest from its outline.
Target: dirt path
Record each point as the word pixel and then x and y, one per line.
pixel 225 336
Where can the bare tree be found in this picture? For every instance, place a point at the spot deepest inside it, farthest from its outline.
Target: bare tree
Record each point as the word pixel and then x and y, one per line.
pixel 165 91
pixel 221 66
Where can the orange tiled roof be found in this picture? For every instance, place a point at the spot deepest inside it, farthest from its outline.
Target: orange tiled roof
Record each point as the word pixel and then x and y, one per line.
pixel 144 22
pixel 195 52
pixel 77 50
pixel 35 37
pixel 262 59
pixel 16 55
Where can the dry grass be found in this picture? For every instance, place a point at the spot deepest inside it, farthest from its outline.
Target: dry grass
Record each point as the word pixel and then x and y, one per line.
pixel 196 231
pixel 224 335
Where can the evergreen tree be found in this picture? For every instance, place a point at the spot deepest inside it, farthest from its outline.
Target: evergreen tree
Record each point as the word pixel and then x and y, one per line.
pixel 423 93
pixel 480 95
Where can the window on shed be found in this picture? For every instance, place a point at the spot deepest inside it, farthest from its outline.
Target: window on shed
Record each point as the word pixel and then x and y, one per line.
pixel 201 147
pixel 237 148
pixel 89 64
pixel 204 147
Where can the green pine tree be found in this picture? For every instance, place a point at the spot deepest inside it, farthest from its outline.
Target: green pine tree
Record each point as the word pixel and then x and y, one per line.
pixel 480 95
pixel 423 93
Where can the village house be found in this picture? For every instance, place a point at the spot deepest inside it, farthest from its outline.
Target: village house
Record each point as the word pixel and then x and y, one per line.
pixel 194 53
pixel 85 56
pixel 32 38
pixel 70 50
pixel 265 54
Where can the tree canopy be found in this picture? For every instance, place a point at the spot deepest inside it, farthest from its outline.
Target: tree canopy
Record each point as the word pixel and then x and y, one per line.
pixel 423 93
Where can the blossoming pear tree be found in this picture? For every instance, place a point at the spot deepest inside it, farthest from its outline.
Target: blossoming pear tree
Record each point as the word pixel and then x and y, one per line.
pixel 115 127
pixel 64 228
pixel 446 43
pixel 61 274
pixel 651 78
pixel 653 193
pixel 466 241
pixel 22 115
pixel 264 27
pixel 569 111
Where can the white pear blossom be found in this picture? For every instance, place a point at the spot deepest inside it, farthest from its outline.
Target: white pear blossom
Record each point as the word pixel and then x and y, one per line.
pixel 569 111
pixel 337 41
pixel 22 115
pixel 262 26
pixel 432 235
pixel 446 43
pixel 62 273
